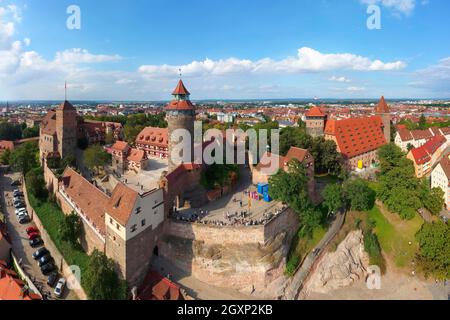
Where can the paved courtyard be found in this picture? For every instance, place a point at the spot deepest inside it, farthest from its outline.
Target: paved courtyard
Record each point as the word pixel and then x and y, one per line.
pixel 237 207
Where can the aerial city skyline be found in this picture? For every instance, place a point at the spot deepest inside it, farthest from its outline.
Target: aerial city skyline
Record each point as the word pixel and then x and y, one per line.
pixel 295 49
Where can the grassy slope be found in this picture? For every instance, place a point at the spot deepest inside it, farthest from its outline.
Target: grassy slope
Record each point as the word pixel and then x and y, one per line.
pixel 395 235
pixel 51 217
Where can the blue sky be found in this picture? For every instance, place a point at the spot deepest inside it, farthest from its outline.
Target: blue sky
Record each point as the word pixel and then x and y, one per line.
pixel 132 50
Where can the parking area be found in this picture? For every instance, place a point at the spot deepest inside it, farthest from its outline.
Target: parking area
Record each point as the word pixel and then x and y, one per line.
pixel 20 242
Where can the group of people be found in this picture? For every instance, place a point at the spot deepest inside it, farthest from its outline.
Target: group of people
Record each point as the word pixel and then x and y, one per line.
pixel 238 218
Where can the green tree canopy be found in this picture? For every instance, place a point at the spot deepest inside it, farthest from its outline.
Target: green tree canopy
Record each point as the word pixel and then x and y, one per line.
pixel 100 279
pixel 434 249
pixel 71 228
pixel 24 157
pixel 359 195
pixel 333 197
pixel 36 183
pixel 95 157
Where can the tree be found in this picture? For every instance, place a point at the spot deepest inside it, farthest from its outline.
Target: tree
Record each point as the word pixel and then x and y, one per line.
pixel 409 147
pixel 71 228
pixel 333 197
pixel 36 183
pixel 82 143
pixel 389 156
pixel 434 250
pixel 100 279
pixel 95 157
pixel 9 131
pixel 218 175
pixel 5 157
pixel 359 195
pixel 30 132
pixel 422 122
pixel 434 200
pixel 326 157
pixel 301 124
pixel 24 157
pixel 294 137
pixel 131 131
pixel 291 187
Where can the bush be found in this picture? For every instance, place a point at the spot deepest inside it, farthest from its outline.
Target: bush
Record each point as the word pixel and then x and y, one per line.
pixel 292 265
pixel 373 249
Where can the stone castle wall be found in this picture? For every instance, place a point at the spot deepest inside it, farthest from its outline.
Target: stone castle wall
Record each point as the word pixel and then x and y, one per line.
pixel 231 257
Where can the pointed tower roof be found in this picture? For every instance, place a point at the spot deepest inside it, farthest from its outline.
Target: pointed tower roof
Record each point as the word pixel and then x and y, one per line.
pixel 66 105
pixel 382 106
pixel 316 112
pixel 181 99
pixel 180 89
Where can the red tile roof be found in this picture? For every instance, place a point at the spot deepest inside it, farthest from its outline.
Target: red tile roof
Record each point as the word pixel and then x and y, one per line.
pixel 157 287
pixel 405 134
pixel 121 146
pixel 121 204
pixel 180 105
pixel 11 287
pixel 316 112
pixel 90 200
pixel 154 136
pixel 445 164
pixel 423 154
pixel 421 134
pixel 180 89
pixel 356 136
pixel 136 155
pixel 6 145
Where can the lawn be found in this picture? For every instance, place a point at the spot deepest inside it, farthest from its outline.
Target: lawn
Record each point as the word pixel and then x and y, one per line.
pixel 395 235
pixel 51 217
pixel 301 247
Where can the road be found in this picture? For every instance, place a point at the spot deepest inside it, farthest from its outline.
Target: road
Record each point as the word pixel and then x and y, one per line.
pixel 20 245
pixel 293 288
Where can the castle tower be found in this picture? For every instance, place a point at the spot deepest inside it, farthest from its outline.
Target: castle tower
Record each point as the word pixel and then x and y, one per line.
pixel 316 119
pixel 66 129
pixel 180 115
pixel 382 110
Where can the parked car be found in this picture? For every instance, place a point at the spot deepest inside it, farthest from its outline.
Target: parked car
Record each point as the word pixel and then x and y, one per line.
pixel 36 242
pixel 15 183
pixel 40 253
pixel 48 268
pixel 33 235
pixel 24 220
pixel 32 230
pixel 18 197
pixel 45 259
pixel 20 211
pixel 52 278
pixel 17 192
pixel 60 286
pixel 18 205
pixel 21 216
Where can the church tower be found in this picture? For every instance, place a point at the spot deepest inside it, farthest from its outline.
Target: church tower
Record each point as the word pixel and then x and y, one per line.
pixel 66 129
pixel 180 115
pixel 382 110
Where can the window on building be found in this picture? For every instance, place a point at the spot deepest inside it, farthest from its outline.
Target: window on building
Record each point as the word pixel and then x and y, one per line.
pixel 133 228
pixel 138 210
pixel 143 223
pixel 117 226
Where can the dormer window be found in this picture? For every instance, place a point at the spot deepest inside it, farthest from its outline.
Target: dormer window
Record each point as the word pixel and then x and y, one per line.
pixel 138 210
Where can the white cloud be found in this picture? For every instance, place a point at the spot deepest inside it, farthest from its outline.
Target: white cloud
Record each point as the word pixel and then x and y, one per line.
pixel 307 60
pixel 77 55
pixel 405 7
pixel 356 89
pixel 339 79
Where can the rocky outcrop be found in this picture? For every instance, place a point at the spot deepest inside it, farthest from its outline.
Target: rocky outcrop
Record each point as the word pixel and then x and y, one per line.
pixel 340 268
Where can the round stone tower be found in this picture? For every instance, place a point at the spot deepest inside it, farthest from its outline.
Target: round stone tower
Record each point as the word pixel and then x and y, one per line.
pixel 180 115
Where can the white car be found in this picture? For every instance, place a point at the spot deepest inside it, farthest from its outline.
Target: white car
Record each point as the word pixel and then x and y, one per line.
pixel 21 210
pixel 22 215
pixel 60 286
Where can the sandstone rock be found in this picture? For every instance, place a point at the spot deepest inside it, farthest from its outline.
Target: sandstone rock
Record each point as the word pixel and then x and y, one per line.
pixel 340 268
